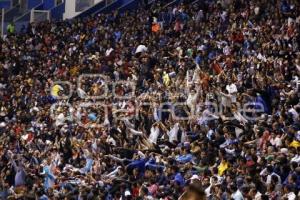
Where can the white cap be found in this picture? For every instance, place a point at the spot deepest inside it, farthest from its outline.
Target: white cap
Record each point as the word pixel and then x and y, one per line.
pixel 195 177
pixel 141 48
pixel 298 135
pixel 284 150
pixel 2 124
pixel 24 137
pixel 127 193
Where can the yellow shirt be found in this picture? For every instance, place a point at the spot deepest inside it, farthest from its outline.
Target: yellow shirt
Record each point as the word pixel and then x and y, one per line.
pixel 294 144
pixel 166 79
pixel 222 168
pixel 55 90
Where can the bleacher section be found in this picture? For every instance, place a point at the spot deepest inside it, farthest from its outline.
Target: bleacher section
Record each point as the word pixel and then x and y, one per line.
pixel 22 12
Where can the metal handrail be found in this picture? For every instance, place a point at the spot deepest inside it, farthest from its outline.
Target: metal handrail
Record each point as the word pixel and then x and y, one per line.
pixel 194 2
pixel 45 11
pixel 28 11
pixel 106 5
pixel 172 2
pixel 10 9
pixel 56 5
pixel 90 8
pixel 126 4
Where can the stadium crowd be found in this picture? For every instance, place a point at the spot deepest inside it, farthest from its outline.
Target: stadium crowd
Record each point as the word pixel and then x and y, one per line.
pixel 153 101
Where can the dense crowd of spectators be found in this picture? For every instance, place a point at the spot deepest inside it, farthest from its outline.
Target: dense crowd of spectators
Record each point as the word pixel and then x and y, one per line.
pixel 148 103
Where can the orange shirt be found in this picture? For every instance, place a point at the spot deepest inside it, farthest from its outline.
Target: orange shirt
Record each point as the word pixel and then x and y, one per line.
pixel 205 80
pixel 155 27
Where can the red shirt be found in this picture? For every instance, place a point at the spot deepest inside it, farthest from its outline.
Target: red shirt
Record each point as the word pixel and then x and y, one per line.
pixel 216 67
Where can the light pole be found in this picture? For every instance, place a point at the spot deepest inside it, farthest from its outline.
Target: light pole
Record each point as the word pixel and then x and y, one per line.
pixel 2 22
pixel 3 5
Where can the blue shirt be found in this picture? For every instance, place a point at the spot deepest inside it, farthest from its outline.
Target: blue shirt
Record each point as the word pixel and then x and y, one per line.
pixel 140 164
pixel 198 60
pixel 184 158
pixel 179 179
pixel 49 177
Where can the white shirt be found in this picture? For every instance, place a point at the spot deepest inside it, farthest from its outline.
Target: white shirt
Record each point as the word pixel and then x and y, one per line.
pixel 173 133
pixel 290 196
pixel 225 99
pixel 155 114
pixel 191 100
pixel 206 116
pixel 154 133
pixel 60 119
pixel 238 116
pixel 269 177
pixel 232 89
pixel 209 134
pixel 276 141
pixel 183 138
pixel 81 93
pixel 257 196
pixel 296 158
pixel 226 50
pixel 294 113
pixel 237 195
pixel 108 51
pixel 207 191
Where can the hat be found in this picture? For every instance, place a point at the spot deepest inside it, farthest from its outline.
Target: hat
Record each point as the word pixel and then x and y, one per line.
pixel 48 142
pixel 2 124
pixel 195 176
pixel 186 145
pixel 92 57
pixel 92 116
pixel 284 151
pixel 127 193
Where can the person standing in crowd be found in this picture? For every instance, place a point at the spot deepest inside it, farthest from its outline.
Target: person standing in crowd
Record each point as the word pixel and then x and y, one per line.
pixel 11 28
